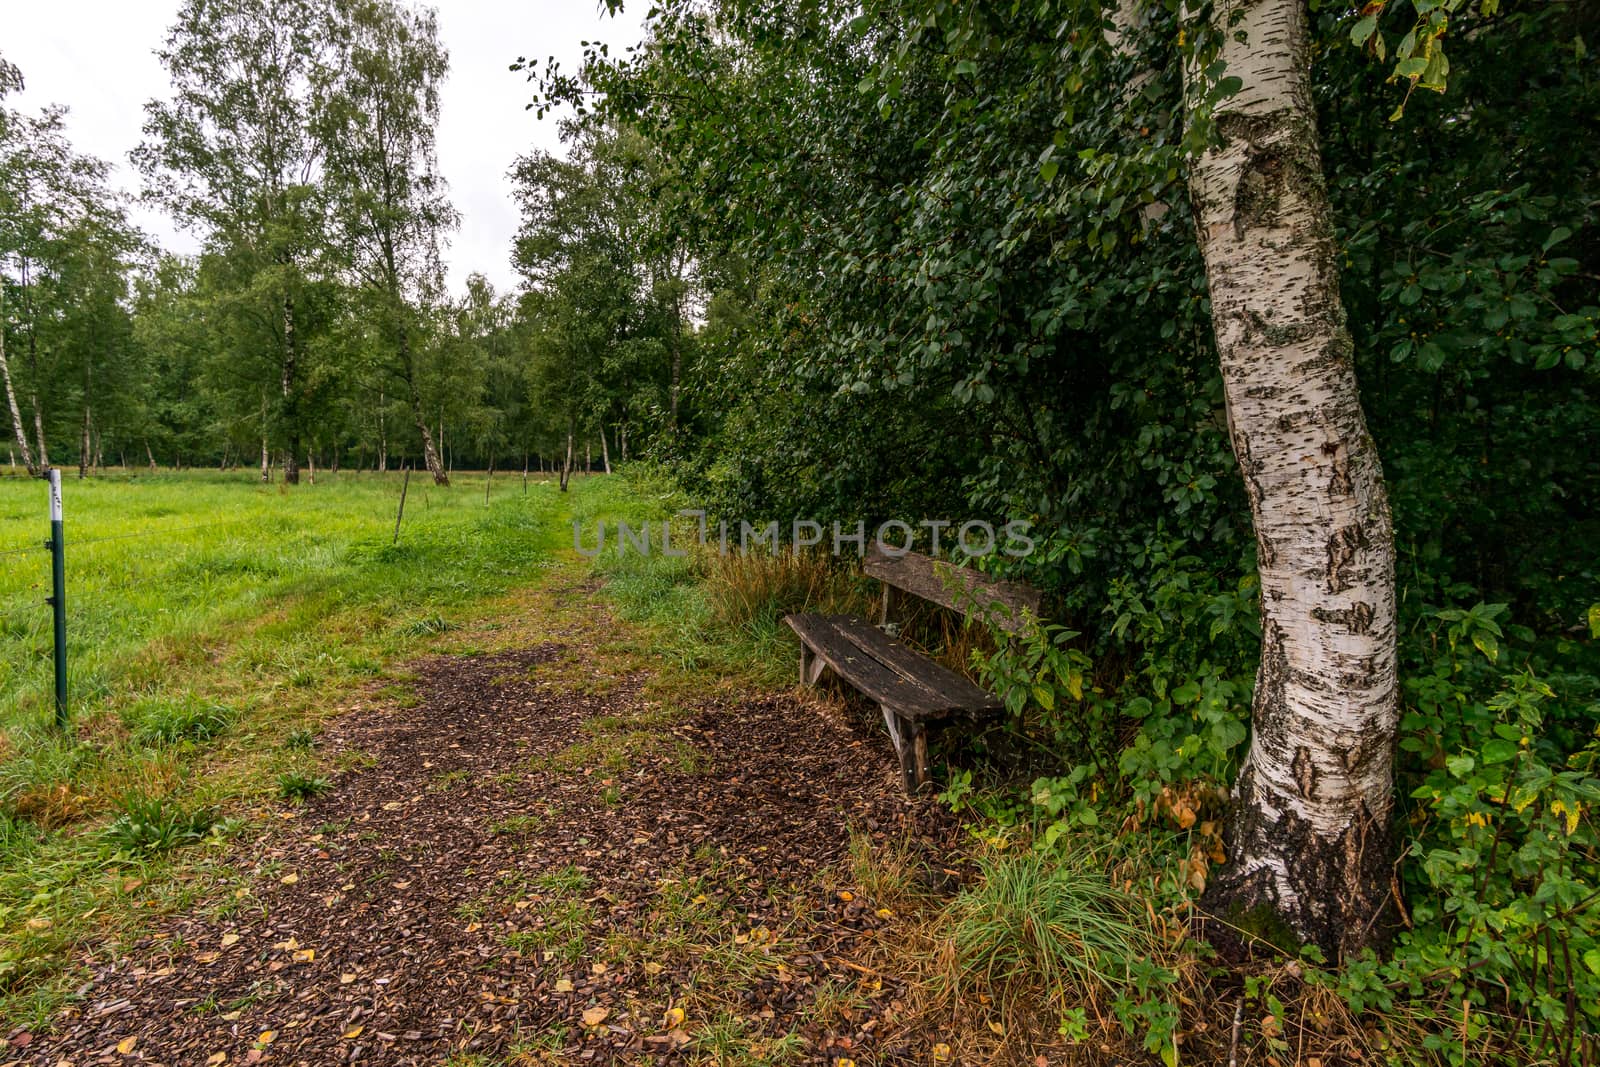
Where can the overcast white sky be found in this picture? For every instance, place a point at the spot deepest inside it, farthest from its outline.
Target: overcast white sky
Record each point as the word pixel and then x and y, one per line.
pixel 97 57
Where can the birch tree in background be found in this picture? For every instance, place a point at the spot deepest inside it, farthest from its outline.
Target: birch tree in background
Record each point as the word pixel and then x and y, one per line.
pixel 389 201
pixel 234 155
pixel 1309 846
pixel 11 79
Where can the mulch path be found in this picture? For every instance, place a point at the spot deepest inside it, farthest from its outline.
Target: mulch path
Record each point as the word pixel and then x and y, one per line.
pixel 381 923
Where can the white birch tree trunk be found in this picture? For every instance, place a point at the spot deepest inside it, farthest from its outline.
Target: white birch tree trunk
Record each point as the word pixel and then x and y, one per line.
pixel 17 426
pixel 1309 837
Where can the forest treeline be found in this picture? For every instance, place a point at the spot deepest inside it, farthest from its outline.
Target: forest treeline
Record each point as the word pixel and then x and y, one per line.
pixel 298 144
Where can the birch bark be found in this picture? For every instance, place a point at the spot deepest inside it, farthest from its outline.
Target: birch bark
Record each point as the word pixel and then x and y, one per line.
pixel 1309 840
pixel 16 415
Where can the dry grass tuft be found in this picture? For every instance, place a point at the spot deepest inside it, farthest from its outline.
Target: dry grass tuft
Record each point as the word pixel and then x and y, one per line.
pixel 753 590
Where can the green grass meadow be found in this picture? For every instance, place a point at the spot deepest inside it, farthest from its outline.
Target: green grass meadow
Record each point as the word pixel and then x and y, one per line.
pixel 212 622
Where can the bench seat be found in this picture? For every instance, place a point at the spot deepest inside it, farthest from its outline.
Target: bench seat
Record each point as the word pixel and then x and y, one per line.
pixel 910 689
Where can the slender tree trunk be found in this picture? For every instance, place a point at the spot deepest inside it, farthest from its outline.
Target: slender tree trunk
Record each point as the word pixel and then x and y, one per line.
pixel 383 435
pixel 38 430
pixel 43 451
pixel 11 406
pixel 311 465
pixel 84 454
pixel 605 453
pixel 430 454
pixel 291 400
pixel 677 351
pixel 1309 844
pixel 588 457
pixel 266 454
pixel 566 467
pixel 150 455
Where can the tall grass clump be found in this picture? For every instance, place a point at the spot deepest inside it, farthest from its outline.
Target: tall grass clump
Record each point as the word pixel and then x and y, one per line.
pixel 149 824
pixel 1051 942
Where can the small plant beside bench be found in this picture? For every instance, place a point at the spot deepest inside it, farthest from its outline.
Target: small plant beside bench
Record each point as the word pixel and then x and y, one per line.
pixel 910 689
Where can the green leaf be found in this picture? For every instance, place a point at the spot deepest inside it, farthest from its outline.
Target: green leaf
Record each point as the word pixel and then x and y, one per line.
pixel 1411 68
pixel 1557 235
pixel 1594 620
pixel 1363 29
pixel 1498 751
pixel 1461 766
pixel 1049 170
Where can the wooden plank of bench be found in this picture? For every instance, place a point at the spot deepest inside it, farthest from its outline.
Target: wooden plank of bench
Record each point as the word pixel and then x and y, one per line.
pixel 855 665
pixel 958 588
pixel 951 691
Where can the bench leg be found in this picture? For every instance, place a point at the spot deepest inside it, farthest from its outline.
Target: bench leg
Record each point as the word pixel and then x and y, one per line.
pixel 811 667
pixel 910 739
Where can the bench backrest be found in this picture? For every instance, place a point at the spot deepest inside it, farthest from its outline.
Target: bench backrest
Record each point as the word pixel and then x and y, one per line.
pixel 958 588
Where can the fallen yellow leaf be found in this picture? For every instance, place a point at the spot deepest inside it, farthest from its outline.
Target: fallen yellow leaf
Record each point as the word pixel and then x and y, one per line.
pixel 229 939
pixel 595 1016
pixel 674 1018
pixel 346 979
pixel 305 955
pixel 289 879
pixel 353 1032
pixel 125 1046
pixel 653 968
pixel 563 985
pixel 941 1052
pixel 267 1037
pixel 216 1058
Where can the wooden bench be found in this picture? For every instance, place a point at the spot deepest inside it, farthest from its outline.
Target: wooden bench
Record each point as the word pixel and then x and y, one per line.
pixel 910 689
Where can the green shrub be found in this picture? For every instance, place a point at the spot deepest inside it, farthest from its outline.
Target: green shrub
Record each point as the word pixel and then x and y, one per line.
pixel 1503 857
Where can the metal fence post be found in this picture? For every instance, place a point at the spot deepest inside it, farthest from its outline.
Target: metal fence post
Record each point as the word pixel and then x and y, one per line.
pixel 58 599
